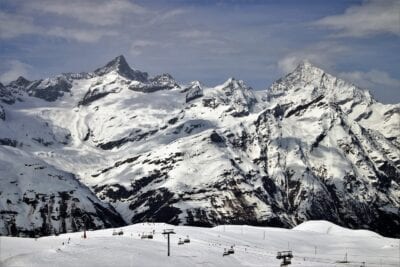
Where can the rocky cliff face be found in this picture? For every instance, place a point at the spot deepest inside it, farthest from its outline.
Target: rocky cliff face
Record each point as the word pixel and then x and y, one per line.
pixel 132 148
pixel 38 199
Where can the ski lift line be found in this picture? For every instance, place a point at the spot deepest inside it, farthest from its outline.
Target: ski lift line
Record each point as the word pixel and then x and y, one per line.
pixel 318 259
pixel 315 259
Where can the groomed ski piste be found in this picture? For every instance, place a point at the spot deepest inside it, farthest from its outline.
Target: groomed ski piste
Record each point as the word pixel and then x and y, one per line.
pixel 313 243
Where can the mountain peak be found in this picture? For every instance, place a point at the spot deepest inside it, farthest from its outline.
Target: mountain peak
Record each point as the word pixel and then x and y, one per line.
pixel 306 67
pixel 119 62
pixel 234 83
pixel 308 81
pixel 230 82
pixel 122 67
pixel 305 64
pixel 22 81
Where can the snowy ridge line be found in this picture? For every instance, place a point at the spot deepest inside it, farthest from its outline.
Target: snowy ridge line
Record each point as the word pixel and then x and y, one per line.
pixel 311 146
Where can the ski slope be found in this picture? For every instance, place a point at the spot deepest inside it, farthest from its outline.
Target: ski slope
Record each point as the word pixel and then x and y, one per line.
pixel 315 243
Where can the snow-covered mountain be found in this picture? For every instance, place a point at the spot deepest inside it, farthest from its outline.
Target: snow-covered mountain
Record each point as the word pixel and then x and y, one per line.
pixel 133 148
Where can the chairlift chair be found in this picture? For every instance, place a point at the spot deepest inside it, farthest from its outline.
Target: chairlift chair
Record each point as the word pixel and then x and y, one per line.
pixel 186 240
pixel 226 253
pixel 286 257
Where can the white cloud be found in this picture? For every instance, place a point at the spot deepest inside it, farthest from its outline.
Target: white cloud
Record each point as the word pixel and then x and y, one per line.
pixel 159 17
pixel 322 54
pixel 139 46
pixel 371 17
pixel 194 34
pixel 82 21
pixel 16 69
pixel 81 35
pixel 203 38
pixel 371 79
pixel 94 12
pixel 289 63
pixel 14 25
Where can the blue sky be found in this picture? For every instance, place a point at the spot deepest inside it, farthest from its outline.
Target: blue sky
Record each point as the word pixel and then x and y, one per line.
pixel 257 41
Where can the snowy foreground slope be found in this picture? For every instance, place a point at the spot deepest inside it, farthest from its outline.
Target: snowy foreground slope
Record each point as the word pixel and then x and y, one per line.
pixel 115 147
pixel 316 243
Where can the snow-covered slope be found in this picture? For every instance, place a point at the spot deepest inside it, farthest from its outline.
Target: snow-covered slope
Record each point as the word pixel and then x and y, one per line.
pixel 329 228
pixel 39 199
pixel 310 147
pixel 253 246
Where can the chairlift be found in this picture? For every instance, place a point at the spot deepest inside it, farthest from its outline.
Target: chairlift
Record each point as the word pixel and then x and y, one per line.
pixel 226 253
pixel 186 240
pixel 286 257
pixel 181 242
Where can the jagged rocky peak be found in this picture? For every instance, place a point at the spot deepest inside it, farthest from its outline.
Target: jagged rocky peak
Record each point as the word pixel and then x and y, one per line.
pixel 238 95
pixel 49 89
pixel 236 87
pixel 193 91
pixel 160 82
pixel 305 74
pixel 165 80
pixel 120 65
pixel 233 83
pixel 308 71
pixel 196 84
pixel 308 82
pixel 20 82
pixel 78 75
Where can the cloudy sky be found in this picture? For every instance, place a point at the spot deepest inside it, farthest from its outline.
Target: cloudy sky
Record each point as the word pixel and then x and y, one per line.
pixel 254 40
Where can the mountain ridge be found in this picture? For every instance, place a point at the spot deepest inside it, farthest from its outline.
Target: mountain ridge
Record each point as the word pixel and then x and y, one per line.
pixel 312 146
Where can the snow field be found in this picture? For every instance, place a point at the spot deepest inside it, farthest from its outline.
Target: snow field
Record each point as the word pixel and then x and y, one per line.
pixel 316 243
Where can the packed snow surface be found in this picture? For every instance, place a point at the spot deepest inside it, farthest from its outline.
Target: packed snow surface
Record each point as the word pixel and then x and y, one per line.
pixel 311 244
pixel 329 228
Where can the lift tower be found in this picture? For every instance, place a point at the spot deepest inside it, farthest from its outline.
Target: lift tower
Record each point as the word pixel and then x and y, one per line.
pixel 168 232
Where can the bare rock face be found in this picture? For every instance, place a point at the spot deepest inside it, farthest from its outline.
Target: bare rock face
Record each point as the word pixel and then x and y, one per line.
pixel 39 199
pixel 6 96
pixel 121 147
pixel 2 113
pixel 120 65
pixel 193 91
pixel 160 82
pixel 50 89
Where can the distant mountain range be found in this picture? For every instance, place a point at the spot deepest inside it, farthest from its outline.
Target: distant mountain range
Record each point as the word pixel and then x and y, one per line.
pixel 115 147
